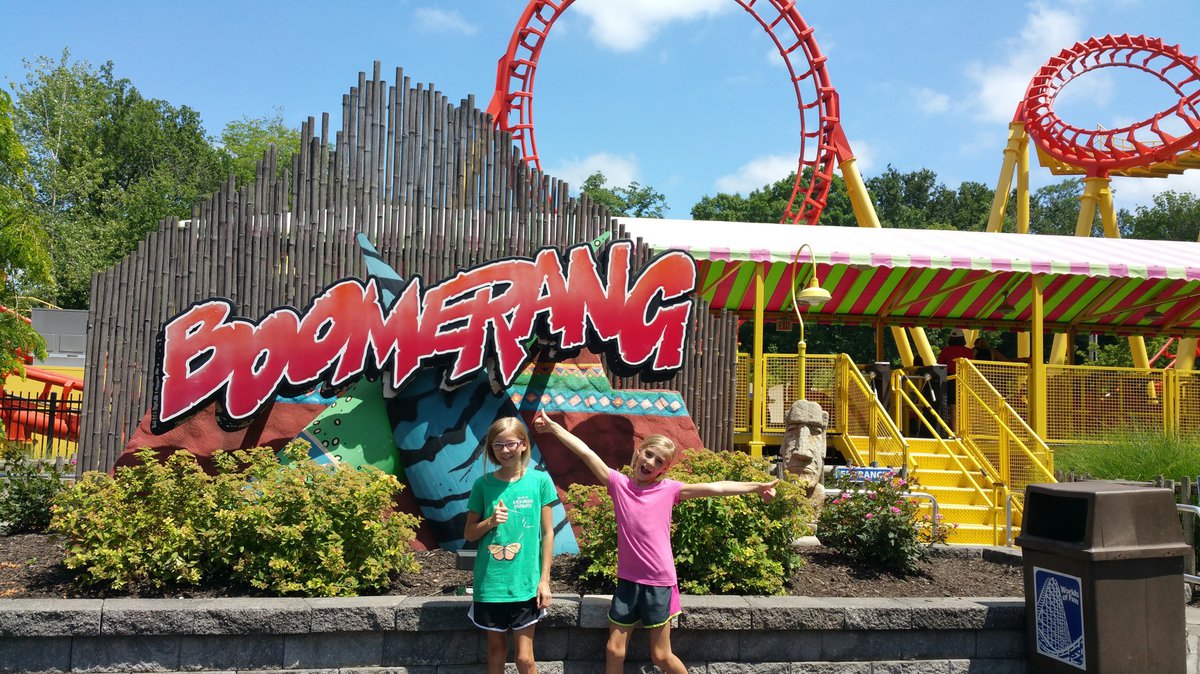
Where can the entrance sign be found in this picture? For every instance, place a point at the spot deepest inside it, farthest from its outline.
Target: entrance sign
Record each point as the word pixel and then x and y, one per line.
pixel 480 318
pixel 1058 617
pixel 864 473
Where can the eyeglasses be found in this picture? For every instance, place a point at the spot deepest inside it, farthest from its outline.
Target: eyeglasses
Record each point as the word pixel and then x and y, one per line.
pixel 511 445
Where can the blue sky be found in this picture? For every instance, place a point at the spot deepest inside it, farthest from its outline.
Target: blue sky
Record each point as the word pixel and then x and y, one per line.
pixel 688 96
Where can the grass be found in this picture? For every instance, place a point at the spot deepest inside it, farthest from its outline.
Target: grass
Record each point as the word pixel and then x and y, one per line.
pixel 1141 456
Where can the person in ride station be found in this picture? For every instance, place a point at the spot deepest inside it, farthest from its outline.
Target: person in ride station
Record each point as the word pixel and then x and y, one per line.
pixel 955 348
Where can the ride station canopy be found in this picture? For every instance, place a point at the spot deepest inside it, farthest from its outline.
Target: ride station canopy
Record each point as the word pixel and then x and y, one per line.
pixel 951 278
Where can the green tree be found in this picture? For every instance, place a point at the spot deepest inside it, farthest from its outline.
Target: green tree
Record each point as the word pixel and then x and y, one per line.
pixel 24 262
pixel 1054 209
pixel 633 200
pixel 107 164
pixel 246 139
pixel 769 203
pixel 1174 216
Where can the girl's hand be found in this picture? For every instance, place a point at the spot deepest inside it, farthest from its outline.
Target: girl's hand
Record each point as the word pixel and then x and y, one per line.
pixel 544 597
pixel 542 423
pixel 767 490
pixel 500 514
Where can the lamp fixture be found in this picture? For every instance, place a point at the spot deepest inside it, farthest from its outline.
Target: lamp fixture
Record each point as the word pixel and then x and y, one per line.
pixel 811 296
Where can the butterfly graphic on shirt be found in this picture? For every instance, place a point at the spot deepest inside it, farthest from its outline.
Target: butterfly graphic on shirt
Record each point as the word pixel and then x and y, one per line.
pixel 504 552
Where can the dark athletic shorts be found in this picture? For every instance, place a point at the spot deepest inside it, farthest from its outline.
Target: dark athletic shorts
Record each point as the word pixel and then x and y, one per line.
pixel 650 605
pixel 502 616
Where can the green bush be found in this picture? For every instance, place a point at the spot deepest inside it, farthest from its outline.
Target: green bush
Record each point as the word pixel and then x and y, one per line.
pixel 27 493
pixel 301 529
pixel 722 545
pixel 871 523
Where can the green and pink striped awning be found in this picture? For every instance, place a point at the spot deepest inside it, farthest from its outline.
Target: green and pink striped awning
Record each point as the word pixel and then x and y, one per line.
pixel 935 278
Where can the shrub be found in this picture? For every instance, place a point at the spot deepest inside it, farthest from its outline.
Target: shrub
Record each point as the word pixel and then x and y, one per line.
pixel 27 493
pixel 722 545
pixel 303 528
pixel 873 524
pixel 1133 456
pixel 306 529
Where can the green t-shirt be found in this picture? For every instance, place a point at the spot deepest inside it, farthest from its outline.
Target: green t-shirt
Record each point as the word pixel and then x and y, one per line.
pixel 508 564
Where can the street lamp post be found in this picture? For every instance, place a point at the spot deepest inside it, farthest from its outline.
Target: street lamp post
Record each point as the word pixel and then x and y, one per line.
pixel 811 296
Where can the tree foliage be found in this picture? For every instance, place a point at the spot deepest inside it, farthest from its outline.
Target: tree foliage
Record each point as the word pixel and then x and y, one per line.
pixel 24 261
pixel 107 164
pixel 633 200
pixel 247 139
pixel 769 203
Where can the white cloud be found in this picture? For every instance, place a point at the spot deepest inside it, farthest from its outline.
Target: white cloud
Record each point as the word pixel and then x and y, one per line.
pixel 1129 193
pixel 627 25
pixel 619 170
pixel 931 102
pixel 864 153
pixel 442 21
pixel 756 173
pixel 998 88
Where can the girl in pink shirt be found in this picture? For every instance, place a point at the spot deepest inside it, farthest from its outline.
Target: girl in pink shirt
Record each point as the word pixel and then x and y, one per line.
pixel 647 589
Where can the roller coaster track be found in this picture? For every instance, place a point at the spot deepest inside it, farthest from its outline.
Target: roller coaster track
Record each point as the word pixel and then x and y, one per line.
pixel 823 143
pixel 1166 142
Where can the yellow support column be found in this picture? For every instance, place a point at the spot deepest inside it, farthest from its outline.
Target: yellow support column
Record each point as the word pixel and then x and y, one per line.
pixel 758 395
pixel 1012 152
pixel 1185 354
pixel 1037 364
pixel 860 200
pixel 1023 185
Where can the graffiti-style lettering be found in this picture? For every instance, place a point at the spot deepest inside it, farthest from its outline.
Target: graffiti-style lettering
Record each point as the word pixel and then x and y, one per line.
pixel 479 318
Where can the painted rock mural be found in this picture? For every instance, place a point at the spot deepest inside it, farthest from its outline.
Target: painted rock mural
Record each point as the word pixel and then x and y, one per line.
pixel 430 435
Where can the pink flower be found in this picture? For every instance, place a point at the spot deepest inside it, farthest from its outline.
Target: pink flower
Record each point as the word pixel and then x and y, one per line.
pixel 869 515
pixel 871 496
pixel 895 509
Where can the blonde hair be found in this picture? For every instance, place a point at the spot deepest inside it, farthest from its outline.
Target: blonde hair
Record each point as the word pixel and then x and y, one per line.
pixel 512 425
pixel 660 442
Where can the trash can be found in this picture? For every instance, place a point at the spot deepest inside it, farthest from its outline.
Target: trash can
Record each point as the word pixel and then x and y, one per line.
pixel 1103 566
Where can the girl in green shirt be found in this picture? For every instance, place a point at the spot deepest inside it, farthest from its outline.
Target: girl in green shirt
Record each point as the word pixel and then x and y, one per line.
pixel 508 512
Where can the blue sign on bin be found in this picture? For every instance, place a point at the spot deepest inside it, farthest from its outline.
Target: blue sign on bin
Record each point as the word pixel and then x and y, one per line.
pixel 1058 616
pixel 863 473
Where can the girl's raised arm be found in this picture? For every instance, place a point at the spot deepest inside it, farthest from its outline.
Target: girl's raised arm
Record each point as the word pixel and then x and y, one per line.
pixel 544 424
pixel 728 488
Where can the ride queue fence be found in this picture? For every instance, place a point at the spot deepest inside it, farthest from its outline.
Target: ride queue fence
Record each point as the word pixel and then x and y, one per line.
pixel 433 185
pixel 43 428
pixel 1084 403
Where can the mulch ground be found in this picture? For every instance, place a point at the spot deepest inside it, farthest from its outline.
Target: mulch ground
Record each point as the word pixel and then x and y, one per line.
pixel 31 565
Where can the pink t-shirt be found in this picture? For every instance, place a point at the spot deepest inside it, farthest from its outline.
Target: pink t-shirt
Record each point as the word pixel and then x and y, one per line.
pixel 644 529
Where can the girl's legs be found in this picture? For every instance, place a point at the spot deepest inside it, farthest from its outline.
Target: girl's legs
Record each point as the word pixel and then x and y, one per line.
pixel 497 648
pixel 660 650
pixel 523 651
pixel 614 655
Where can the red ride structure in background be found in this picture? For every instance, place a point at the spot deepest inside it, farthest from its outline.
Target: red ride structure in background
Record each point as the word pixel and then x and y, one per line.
pixel 1100 152
pixel 823 143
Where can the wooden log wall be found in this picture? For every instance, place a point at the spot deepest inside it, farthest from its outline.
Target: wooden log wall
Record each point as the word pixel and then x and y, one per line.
pixel 433 186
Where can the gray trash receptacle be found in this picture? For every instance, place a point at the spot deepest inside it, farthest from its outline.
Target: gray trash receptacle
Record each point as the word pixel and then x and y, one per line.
pixel 1103 567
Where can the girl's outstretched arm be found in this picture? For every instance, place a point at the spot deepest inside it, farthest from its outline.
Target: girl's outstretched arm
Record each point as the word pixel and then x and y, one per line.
pixel 544 424
pixel 728 488
pixel 544 595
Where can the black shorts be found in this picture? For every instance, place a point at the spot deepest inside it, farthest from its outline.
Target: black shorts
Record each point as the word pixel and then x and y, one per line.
pixel 502 616
pixel 650 605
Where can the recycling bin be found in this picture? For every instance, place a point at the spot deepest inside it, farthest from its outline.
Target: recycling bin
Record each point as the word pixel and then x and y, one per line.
pixel 1103 569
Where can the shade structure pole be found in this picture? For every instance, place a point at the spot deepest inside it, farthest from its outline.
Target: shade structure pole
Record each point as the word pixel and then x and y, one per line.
pixel 758 393
pixel 1037 362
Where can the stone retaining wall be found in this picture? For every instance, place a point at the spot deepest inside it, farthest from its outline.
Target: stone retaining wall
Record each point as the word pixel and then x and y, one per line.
pixel 431 635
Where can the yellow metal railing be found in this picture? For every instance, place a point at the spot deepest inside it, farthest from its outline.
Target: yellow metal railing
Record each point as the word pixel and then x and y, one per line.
pixel 861 415
pixel 995 429
pixel 1090 402
pixel 906 397
pixel 782 388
